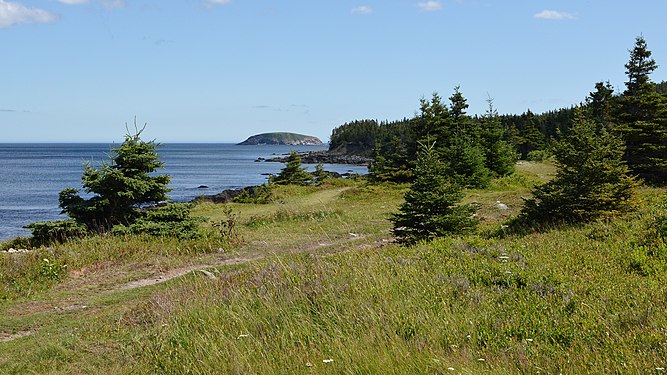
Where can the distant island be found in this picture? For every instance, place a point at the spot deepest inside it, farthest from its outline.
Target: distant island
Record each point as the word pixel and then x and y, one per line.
pixel 281 138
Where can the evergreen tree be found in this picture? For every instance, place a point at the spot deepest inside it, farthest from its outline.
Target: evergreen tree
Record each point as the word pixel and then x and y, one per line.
pixel 464 157
pixel 465 162
pixel 293 173
pixel 602 104
pixel 393 163
pixel 501 156
pixel 531 138
pixel 463 126
pixel 643 118
pixel 119 187
pixel 320 175
pixel 431 207
pixel 592 180
pixel 433 121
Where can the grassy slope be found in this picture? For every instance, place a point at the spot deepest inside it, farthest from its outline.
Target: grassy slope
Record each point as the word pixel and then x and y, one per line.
pixel 327 285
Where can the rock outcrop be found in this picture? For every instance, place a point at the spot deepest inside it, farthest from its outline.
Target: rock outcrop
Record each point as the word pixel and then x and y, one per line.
pixel 290 139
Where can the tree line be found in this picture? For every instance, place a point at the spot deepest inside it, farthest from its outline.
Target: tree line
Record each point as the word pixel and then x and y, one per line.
pixel 603 149
pixel 638 114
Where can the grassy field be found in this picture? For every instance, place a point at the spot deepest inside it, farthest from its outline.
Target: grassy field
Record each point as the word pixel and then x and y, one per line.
pixel 314 284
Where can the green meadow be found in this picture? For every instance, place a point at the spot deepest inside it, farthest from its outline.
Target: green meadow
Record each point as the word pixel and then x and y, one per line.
pixel 314 283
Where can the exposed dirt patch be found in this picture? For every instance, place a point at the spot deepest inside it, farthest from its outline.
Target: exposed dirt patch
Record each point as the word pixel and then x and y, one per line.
pixel 6 337
pixel 178 272
pixel 29 308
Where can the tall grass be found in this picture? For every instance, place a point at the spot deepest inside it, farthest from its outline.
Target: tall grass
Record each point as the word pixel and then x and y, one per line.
pixel 584 299
pixel 567 301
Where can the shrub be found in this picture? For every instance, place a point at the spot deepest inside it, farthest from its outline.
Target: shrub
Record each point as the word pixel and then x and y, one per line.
pixel 539 155
pixel 172 220
pixel 49 232
pixel 262 194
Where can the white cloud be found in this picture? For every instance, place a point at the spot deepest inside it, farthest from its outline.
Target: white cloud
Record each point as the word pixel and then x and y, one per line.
pixel 212 3
pixel 73 2
pixel 554 15
pixel 109 4
pixel 15 13
pixel 364 9
pixel 114 4
pixel 430 6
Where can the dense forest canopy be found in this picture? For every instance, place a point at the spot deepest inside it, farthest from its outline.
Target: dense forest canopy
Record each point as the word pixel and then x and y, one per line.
pixel 638 114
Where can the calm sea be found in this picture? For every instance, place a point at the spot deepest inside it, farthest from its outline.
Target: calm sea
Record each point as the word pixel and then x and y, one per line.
pixel 31 175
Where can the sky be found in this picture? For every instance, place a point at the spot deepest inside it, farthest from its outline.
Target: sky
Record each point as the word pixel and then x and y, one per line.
pixel 222 70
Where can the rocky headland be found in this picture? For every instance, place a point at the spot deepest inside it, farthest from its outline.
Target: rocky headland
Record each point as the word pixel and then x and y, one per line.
pixel 282 138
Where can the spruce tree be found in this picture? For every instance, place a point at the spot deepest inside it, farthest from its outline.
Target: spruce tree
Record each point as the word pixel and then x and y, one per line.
pixel 433 121
pixel 119 187
pixel 643 118
pixel 501 156
pixel 530 138
pixel 602 104
pixel 293 173
pixel 592 180
pixel 431 208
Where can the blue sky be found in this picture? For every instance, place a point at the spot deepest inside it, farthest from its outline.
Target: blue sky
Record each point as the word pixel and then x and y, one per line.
pixel 222 70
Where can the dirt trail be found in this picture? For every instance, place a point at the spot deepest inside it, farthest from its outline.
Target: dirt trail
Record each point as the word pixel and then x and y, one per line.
pixel 6 337
pixel 181 271
pixel 81 288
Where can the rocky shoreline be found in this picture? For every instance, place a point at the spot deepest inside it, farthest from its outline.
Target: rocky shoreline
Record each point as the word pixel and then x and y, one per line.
pixel 229 195
pixel 324 157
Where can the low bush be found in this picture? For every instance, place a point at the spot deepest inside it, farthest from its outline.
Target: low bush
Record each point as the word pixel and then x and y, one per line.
pixel 45 233
pixel 172 220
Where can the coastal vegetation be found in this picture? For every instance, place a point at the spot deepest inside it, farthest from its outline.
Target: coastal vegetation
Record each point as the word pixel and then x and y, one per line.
pixel 314 283
pixel 477 147
pixel 453 256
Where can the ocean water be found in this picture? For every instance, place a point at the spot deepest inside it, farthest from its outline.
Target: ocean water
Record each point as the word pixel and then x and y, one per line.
pixel 32 175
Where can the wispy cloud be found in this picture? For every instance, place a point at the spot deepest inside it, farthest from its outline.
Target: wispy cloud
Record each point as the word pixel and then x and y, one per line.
pixel 73 2
pixel 10 110
pixel 430 6
pixel 12 13
pixel 109 4
pixel 364 9
pixel 114 4
pixel 212 3
pixel 554 15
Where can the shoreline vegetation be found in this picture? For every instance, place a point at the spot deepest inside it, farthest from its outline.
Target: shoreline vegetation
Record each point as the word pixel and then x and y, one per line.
pixel 471 247
pixel 316 273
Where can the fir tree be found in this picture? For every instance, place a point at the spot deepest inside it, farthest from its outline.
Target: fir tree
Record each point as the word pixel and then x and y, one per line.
pixel 431 207
pixel 433 121
pixel 592 180
pixel 501 156
pixel 293 173
pixel 118 188
pixel 602 104
pixel 530 138
pixel 643 118
pixel 320 175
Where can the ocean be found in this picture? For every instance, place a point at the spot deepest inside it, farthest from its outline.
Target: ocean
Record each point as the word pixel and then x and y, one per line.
pixel 32 175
